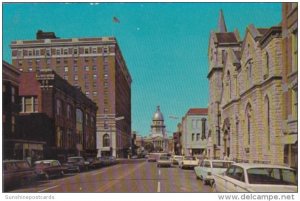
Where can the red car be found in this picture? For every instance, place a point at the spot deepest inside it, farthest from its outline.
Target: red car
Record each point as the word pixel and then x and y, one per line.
pixel 49 168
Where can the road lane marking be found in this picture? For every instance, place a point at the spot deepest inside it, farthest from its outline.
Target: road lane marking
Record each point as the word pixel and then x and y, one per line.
pixel 47 189
pixel 159 172
pixel 115 181
pixel 98 172
pixel 158 186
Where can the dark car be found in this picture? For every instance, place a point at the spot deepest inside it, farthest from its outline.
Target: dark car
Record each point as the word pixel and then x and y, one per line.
pixel 112 160
pixel 49 168
pixel 76 164
pixel 94 163
pixel 17 172
pixel 104 160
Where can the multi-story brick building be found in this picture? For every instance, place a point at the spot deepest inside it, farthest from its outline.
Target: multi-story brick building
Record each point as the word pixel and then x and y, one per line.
pixel 290 82
pixel 98 67
pixel 194 131
pixel 246 103
pixel 57 113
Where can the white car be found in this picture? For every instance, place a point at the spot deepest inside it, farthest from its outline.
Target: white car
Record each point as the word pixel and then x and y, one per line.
pixel 208 167
pixel 188 162
pixel 245 177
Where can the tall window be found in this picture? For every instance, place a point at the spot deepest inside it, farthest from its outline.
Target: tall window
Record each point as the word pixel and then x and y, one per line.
pixel 229 84
pixel 106 140
pixel 267 63
pixel 203 128
pixel 29 104
pixel 13 124
pixel 248 120
pixel 58 107
pixel 198 136
pixel 13 94
pixel 295 102
pixel 193 136
pixel 79 125
pixel 69 111
pixel 295 50
pixel 267 121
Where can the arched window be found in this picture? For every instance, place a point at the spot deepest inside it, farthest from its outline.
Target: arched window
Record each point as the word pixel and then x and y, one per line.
pixel 248 122
pixel 106 140
pixel 267 121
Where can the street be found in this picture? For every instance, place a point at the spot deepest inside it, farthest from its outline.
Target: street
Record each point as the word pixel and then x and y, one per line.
pixel 129 176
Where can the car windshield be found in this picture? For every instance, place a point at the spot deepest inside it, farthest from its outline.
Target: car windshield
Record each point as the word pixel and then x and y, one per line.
pixel 74 159
pixel 221 164
pixel 275 176
pixel 189 158
pixel 164 158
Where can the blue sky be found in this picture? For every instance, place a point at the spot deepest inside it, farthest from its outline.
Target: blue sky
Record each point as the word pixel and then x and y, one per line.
pixel 164 44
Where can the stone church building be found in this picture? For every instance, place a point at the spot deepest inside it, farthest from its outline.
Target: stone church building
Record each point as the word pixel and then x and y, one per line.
pixel 246 94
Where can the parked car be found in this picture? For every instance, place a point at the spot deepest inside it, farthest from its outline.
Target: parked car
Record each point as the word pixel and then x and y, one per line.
pixel 164 161
pixel 188 162
pixel 208 167
pixel 17 172
pixel 49 168
pixel 94 162
pixel 104 160
pixel 152 158
pixel 76 163
pixel 245 177
pixel 175 159
pixel 112 160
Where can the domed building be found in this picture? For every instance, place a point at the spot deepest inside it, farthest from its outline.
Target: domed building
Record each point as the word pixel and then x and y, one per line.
pixel 158 136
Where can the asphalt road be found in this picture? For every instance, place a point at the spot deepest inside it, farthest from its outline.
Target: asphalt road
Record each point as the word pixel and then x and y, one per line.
pixel 138 176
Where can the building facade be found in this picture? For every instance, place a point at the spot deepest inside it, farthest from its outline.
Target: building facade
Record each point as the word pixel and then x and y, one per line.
pixel 98 67
pixel 246 106
pixel 58 110
pixel 290 82
pixel 194 131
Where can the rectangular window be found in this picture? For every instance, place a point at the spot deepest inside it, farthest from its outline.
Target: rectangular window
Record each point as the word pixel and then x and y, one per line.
pixel 94 76
pixel 66 69
pixel 36 104
pixel 58 61
pixel 94 50
pixel 86 50
pixel 20 62
pixel 87 93
pixel 37 52
pixel 94 93
pixel 65 61
pixel 30 62
pixel 75 51
pixel 193 136
pixel 295 51
pixel 65 77
pixel 13 124
pixel 13 94
pixel 29 52
pixel 94 68
pixel 48 61
pixel 86 68
pixel 75 68
pixel 48 52
pixel 57 51
pixel 58 107
pixel 295 103
pixel 30 69
pixel 28 105
pixel 75 77
pixel 65 51
pixel 20 53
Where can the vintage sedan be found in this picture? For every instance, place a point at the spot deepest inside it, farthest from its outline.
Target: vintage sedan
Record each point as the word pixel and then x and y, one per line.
pixel 207 168
pixel 245 177
pixel 188 162
pixel 77 164
pixel 164 161
pixel 17 172
pixel 49 168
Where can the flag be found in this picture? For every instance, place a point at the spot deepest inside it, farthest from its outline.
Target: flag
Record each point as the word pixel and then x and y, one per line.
pixel 116 20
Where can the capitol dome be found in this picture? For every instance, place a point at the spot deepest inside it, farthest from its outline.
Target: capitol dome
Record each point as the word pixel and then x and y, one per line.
pixel 158 116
